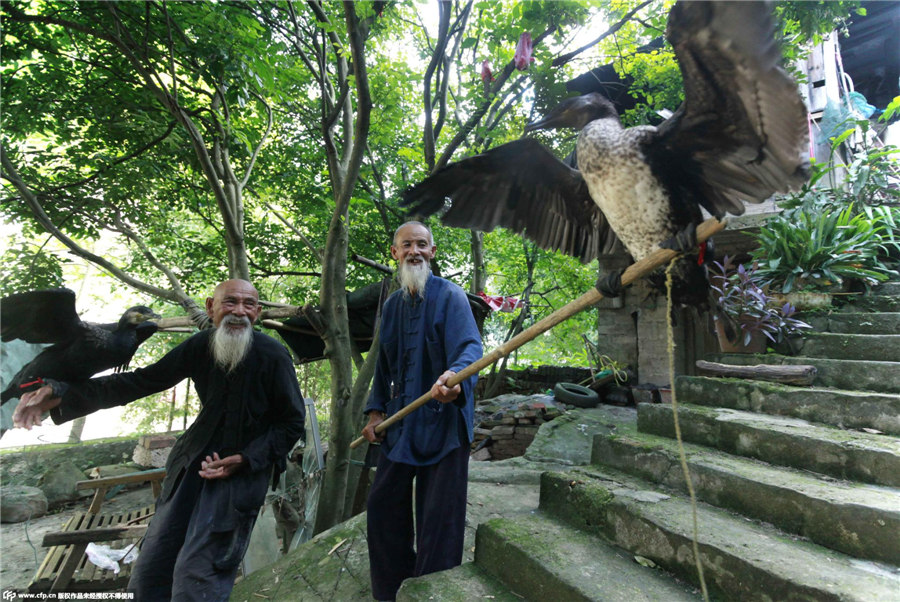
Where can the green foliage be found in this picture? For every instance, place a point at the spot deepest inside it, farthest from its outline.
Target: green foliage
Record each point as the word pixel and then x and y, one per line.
pixel 847 231
pixel 27 266
pixel 88 133
pixel 810 250
pixel 740 296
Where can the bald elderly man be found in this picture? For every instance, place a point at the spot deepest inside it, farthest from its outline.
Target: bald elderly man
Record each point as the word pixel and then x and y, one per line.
pixel 218 472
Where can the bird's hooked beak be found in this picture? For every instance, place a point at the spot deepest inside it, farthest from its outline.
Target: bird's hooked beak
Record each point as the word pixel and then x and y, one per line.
pixel 575 113
pixel 136 316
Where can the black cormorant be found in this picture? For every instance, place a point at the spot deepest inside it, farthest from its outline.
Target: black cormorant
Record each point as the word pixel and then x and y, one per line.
pixel 79 350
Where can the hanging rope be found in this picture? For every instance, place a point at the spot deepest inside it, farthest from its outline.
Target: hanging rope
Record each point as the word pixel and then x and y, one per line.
pixel 670 348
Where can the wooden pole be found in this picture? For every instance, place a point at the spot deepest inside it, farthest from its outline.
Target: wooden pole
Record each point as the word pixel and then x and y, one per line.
pixel 634 272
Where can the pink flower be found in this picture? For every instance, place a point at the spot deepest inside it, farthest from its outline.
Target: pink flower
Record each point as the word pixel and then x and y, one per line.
pixel 523 52
pixel 486 74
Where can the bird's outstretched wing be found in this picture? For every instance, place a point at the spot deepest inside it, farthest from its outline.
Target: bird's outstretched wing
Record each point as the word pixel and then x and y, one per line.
pixel 521 186
pixel 742 119
pixel 43 316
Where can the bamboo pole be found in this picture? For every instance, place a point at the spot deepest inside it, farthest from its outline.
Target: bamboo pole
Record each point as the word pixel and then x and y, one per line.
pixel 634 272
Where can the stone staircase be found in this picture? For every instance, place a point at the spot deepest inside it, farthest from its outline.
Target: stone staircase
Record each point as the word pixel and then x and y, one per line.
pixel 797 488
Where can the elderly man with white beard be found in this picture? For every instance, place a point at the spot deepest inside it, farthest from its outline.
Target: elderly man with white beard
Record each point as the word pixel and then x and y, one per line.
pixel 428 333
pixel 218 471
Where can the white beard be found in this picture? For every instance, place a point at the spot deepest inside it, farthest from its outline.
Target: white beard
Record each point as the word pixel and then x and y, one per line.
pixel 229 347
pixel 413 278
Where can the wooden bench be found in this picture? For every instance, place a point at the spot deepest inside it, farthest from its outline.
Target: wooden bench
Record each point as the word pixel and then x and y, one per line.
pixel 66 566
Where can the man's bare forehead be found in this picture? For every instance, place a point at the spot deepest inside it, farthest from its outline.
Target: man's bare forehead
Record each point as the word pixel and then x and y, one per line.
pixel 413 234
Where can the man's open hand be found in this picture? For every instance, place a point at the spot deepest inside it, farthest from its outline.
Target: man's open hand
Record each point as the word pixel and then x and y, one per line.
pixel 32 406
pixel 215 467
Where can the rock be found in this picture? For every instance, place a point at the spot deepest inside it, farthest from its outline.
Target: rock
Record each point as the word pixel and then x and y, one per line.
pixel 153 450
pixel 114 470
pixel 482 455
pixel 58 483
pixel 21 503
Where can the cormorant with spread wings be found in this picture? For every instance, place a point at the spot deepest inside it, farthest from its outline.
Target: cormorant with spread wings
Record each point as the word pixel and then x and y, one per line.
pixel 79 349
pixel 739 136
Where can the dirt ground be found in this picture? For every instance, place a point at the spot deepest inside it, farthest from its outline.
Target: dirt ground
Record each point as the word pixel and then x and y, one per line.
pixel 20 543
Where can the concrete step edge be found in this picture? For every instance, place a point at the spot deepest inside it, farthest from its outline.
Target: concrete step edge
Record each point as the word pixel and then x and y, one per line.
pixel 859 520
pixel 547 559
pixel 875 347
pixel 742 560
pixel 461 584
pixel 858 323
pixel 836 407
pixel 850 455
pixel 859 375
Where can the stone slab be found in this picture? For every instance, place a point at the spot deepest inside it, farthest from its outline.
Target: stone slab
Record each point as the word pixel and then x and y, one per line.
pixel 545 559
pixel 876 347
pixel 567 439
pixel 462 584
pixel 782 441
pixel 741 560
pixel 857 519
pixel 847 409
pixel 852 375
pixel 856 323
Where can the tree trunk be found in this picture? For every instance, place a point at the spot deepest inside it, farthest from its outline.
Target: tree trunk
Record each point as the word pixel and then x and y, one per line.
pixel 77 429
pixel 344 421
pixel 479 275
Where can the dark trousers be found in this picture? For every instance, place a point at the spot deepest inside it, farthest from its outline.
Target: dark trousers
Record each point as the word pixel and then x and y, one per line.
pixel 181 558
pixel 440 522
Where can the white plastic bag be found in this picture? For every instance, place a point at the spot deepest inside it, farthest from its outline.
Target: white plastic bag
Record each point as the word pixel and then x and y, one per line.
pixel 108 559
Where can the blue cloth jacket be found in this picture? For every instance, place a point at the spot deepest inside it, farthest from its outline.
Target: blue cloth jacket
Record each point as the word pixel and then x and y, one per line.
pixel 420 339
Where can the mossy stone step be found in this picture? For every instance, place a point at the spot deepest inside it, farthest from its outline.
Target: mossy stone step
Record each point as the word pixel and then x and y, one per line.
pixel 891 288
pixel 873 303
pixel 877 347
pixel 852 375
pixel 847 409
pixel 859 520
pixel 545 559
pixel 782 441
pixel 464 583
pixel 742 560
pixel 855 323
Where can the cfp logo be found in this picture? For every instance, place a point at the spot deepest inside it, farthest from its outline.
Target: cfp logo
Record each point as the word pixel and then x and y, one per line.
pixel 9 594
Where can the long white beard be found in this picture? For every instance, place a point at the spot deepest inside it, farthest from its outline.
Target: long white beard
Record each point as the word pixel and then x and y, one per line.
pixel 229 347
pixel 413 278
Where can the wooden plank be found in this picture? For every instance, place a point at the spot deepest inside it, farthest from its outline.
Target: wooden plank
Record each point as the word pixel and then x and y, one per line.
pixel 64 576
pixel 157 474
pixel 67 558
pixel 62 538
pixel 793 375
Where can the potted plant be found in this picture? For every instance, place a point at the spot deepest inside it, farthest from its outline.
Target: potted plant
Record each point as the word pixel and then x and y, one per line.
pixel 746 315
pixel 803 250
pixel 831 235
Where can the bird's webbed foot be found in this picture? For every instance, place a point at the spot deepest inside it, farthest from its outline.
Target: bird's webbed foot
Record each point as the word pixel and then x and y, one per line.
pixel 683 242
pixel 611 284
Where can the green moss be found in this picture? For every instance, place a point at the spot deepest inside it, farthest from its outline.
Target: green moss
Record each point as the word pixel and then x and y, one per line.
pixel 47 447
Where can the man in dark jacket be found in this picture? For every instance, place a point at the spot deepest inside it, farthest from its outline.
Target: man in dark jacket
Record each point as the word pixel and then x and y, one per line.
pixel 428 334
pixel 218 471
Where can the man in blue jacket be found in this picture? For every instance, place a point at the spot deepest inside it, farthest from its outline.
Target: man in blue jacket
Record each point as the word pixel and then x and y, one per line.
pixel 219 470
pixel 428 334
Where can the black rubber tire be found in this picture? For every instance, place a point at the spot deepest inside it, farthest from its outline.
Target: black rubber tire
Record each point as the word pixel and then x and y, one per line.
pixel 576 395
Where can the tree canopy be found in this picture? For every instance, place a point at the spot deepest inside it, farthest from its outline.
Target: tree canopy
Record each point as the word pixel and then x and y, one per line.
pixel 269 140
